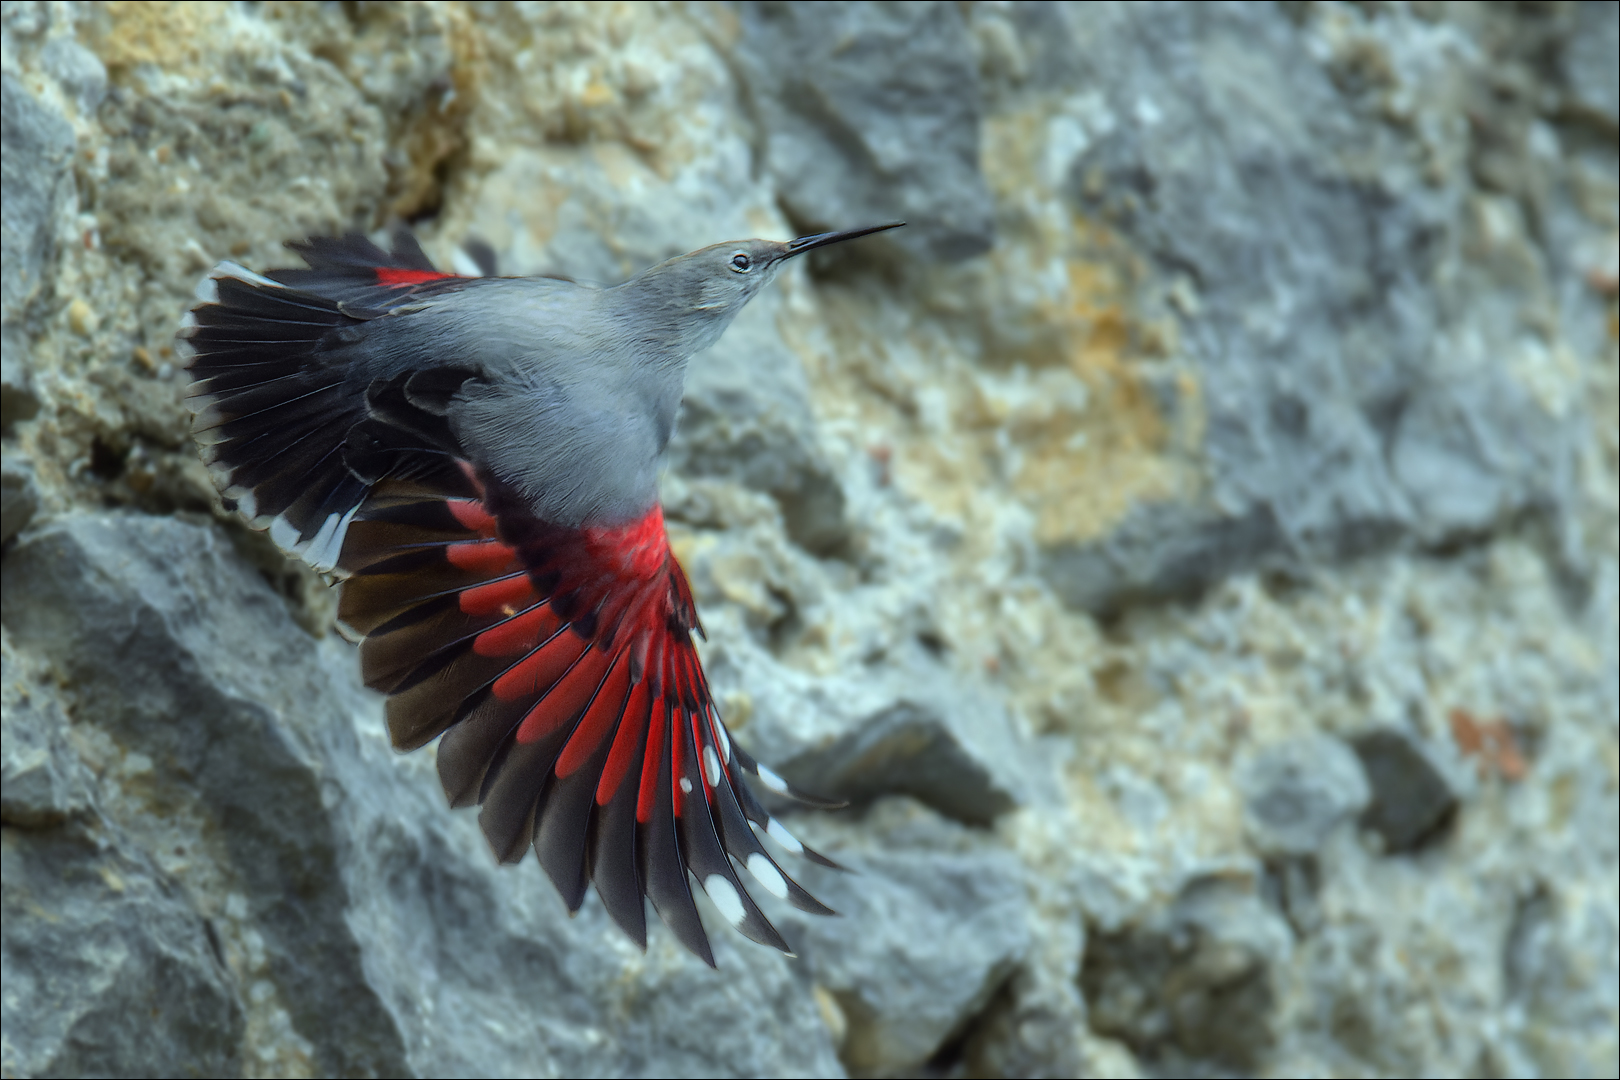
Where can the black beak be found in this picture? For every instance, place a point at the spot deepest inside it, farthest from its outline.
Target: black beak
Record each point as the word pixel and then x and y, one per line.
pixel 820 240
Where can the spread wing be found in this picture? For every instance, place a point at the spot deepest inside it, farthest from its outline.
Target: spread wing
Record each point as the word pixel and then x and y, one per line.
pixel 558 665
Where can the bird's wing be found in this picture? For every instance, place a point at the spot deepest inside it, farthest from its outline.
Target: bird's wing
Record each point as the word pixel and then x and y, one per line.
pixel 559 666
pixel 353 272
pixel 292 434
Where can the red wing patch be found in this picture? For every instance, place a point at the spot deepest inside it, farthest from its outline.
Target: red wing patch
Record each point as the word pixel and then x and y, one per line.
pixel 392 278
pixel 354 272
pixel 559 667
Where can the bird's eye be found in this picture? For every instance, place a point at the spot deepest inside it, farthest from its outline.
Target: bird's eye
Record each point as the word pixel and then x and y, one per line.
pixel 740 262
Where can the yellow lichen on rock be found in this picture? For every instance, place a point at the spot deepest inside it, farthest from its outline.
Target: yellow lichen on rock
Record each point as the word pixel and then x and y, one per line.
pixel 167 34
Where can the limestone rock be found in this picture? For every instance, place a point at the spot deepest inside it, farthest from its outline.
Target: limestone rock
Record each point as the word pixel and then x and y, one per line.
pixel 1296 793
pixel 870 113
pixel 1411 794
pixel 931 923
pixel 124 976
pixel 17 399
pixel 38 146
pixel 1321 442
pixel 916 730
pixel 45 783
pixel 1198 979
pixel 19 494
pixel 79 983
pixel 1592 62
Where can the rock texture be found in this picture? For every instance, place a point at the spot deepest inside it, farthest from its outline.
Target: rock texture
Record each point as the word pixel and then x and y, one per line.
pixel 1192 545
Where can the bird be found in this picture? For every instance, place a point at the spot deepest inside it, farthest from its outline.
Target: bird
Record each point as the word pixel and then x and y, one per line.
pixel 473 461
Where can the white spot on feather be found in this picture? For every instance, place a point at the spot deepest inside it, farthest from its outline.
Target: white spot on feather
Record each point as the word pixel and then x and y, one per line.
pixel 208 293
pixel 725 898
pixel 210 416
pixel 241 273
pixel 725 739
pixel 772 781
pixel 767 875
pixel 776 832
pixel 327 547
pixel 246 504
pixel 686 785
pixel 285 534
pixel 711 766
pixel 323 536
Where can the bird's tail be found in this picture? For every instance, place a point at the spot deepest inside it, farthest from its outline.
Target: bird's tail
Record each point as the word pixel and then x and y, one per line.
pixel 292 436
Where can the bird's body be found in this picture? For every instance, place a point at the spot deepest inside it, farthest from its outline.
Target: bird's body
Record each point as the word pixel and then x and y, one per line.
pixel 476 458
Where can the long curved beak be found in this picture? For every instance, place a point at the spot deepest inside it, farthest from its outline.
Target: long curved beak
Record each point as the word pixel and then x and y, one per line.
pixel 820 240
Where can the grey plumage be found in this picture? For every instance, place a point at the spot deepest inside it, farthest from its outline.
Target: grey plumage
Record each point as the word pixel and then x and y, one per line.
pixel 575 387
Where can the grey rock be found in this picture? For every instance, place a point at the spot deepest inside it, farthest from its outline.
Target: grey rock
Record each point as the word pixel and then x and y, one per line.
pixel 42 782
pixel 870 113
pixel 38 145
pixel 932 923
pixel 1160 551
pixel 1351 400
pixel 1296 792
pixel 122 979
pixel 171 642
pixel 926 745
pixel 1550 978
pixel 19 496
pixel 396 944
pixel 17 398
pixel 916 728
pixel 1449 455
pixel 1412 796
pixel 746 417
pixel 1035 1034
pixel 1197 979
pixel 1592 62
pixel 77 70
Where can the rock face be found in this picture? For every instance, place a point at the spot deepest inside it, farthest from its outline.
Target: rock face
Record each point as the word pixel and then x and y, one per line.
pixel 1191 545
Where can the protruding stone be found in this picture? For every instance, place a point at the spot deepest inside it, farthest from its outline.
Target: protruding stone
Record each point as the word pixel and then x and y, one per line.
pixel 870 113
pixel 1196 979
pixel 19 497
pixel 44 783
pixel 932 923
pixel 122 977
pixel 917 729
pixel 1411 794
pixel 1296 792
pixel 37 144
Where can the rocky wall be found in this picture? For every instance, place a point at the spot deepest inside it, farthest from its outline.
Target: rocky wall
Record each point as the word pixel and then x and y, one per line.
pixel 1191 544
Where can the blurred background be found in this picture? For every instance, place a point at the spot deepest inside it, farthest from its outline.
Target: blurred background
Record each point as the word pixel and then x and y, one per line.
pixel 1191 544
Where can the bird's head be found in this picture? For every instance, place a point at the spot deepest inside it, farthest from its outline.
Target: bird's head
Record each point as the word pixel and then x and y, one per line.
pixel 702 291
